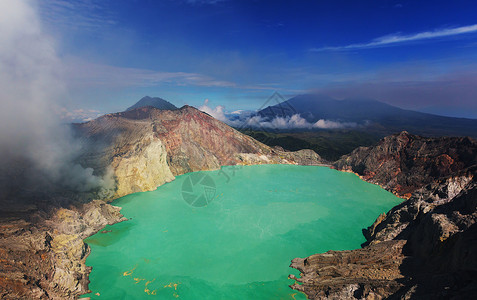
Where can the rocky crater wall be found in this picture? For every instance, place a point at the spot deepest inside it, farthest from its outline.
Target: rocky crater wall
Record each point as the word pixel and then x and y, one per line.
pixel 423 248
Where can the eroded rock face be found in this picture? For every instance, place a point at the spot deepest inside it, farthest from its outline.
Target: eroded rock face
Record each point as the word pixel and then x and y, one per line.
pixel 403 163
pixel 371 272
pixel 147 147
pixel 143 168
pixel 424 248
pixel 44 257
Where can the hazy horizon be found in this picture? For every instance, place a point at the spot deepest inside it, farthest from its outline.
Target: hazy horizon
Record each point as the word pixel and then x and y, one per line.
pixel 413 55
pixel 108 54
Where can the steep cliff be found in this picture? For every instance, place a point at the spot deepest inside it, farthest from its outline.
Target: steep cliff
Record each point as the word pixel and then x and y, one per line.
pixel 423 248
pixel 403 162
pixel 147 147
pixel 42 256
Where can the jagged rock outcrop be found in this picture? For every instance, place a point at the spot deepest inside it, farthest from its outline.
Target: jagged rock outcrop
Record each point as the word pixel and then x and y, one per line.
pixel 356 274
pixel 403 163
pixel 423 248
pixel 43 257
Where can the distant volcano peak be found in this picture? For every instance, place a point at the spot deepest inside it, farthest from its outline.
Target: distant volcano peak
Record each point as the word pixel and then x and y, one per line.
pixel 156 102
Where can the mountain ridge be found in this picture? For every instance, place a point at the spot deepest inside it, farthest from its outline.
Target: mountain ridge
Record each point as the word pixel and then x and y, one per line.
pixel 189 139
pixel 371 115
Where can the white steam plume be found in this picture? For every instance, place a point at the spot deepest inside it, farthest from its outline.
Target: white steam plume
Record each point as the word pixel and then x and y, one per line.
pixel 30 88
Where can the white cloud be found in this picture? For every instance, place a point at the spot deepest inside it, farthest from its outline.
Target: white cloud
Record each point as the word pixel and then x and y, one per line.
pixel 327 124
pixel 248 119
pixel 80 73
pixel 394 39
pixel 217 112
pixel 77 115
pixel 296 121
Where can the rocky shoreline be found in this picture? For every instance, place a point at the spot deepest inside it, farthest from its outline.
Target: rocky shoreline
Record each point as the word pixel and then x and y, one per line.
pixel 43 256
pixel 423 248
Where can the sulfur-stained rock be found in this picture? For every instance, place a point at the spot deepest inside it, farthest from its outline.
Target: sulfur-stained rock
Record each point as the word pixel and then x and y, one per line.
pixel 147 147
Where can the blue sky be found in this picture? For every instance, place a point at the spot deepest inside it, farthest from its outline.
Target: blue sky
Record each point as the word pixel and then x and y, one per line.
pixel 413 54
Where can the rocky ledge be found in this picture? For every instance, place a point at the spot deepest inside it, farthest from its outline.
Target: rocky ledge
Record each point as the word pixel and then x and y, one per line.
pixel 424 248
pixel 42 256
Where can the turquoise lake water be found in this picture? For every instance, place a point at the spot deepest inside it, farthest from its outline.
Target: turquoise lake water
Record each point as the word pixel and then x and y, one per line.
pixel 230 234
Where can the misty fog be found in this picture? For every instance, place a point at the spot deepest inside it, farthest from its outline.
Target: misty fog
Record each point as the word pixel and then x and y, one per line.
pixel 37 152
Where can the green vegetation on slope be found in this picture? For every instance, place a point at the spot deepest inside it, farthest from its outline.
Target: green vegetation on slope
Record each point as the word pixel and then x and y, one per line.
pixel 329 144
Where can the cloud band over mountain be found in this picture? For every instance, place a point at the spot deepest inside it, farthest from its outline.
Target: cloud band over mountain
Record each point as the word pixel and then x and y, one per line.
pixel 251 120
